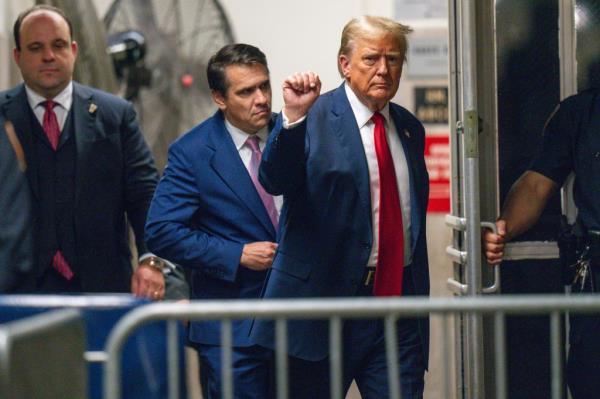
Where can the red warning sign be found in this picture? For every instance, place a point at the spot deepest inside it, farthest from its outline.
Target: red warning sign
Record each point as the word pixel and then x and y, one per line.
pixel 437 158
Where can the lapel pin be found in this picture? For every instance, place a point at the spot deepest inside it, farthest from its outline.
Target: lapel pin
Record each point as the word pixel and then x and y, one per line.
pixel 406 133
pixel 92 109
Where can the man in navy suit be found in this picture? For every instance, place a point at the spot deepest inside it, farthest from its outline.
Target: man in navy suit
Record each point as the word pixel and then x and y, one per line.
pixel 89 168
pixel 211 215
pixel 350 166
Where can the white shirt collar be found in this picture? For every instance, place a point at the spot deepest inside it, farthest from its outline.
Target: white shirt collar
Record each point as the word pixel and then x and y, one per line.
pixel 64 98
pixel 361 112
pixel 239 136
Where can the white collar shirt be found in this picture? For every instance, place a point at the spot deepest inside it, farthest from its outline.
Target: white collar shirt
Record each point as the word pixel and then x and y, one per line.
pixel 64 99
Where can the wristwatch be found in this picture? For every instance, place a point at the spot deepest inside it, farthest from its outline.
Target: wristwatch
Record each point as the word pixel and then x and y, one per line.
pixel 155 262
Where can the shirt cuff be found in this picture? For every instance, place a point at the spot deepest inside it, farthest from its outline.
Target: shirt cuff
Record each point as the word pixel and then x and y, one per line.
pixel 286 121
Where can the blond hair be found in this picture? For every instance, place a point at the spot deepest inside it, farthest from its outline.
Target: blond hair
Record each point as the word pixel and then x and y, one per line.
pixel 367 26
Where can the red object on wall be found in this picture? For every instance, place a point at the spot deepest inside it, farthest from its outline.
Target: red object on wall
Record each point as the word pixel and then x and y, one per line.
pixel 437 158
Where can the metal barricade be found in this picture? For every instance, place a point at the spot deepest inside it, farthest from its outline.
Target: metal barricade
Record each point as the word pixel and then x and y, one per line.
pixel 41 356
pixel 389 309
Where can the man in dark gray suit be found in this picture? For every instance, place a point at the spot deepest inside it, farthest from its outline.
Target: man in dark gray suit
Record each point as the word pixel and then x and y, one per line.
pixel 90 171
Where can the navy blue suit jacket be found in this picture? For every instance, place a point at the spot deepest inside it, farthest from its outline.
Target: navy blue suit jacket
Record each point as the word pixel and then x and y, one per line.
pixel 204 210
pixel 115 178
pixel 326 230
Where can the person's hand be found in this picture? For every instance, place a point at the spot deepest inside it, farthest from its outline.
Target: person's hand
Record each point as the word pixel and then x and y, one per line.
pixel 148 282
pixel 258 255
pixel 299 93
pixel 493 244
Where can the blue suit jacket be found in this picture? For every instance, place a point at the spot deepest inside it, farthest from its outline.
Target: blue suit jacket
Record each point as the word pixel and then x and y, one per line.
pixel 326 233
pixel 114 182
pixel 203 212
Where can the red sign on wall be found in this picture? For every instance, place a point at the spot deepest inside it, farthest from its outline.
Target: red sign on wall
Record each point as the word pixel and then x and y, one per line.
pixel 437 158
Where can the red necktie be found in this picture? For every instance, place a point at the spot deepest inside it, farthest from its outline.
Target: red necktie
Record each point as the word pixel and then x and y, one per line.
pixel 52 130
pixel 390 263
pixel 50 124
pixel 267 199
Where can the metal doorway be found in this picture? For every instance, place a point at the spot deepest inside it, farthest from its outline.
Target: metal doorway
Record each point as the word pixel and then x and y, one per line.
pixel 511 62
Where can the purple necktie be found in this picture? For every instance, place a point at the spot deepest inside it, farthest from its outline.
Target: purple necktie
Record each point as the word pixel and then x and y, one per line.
pixel 267 199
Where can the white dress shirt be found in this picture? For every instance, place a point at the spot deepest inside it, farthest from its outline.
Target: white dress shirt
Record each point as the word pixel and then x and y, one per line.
pixel 64 99
pixel 239 139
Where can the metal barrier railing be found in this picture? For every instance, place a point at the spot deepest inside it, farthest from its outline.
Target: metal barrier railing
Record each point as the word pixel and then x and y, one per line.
pixel 39 353
pixel 389 309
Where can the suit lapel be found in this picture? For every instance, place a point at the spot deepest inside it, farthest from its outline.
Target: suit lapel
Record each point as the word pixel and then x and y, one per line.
pixel 17 110
pixel 227 163
pixel 84 124
pixel 346 128
pixel 415 203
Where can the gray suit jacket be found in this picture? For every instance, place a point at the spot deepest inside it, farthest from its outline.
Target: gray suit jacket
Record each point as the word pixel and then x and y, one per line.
pixel 115 181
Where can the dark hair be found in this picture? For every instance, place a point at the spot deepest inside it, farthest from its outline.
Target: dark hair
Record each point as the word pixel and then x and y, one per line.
pixel 24 14
pixel 232 54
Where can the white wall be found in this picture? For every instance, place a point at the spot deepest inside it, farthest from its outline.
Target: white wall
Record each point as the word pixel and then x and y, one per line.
pixel 9 9
pixel 298 36
pixel 295 36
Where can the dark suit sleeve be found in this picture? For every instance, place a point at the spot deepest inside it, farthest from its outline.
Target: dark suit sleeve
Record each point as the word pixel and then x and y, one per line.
pixel 16 230
pixel 555 157
pixel 140 175
pixel 171 232
pixel 282 170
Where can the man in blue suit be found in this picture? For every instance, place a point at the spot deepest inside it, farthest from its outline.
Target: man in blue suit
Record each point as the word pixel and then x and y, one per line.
pixel 211 215
pixel 350 166
pixel 89 170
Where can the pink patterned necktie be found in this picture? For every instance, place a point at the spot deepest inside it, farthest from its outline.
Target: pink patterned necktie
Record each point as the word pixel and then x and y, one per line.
pixel 52 130
pixel 267 199
pixel 50 124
